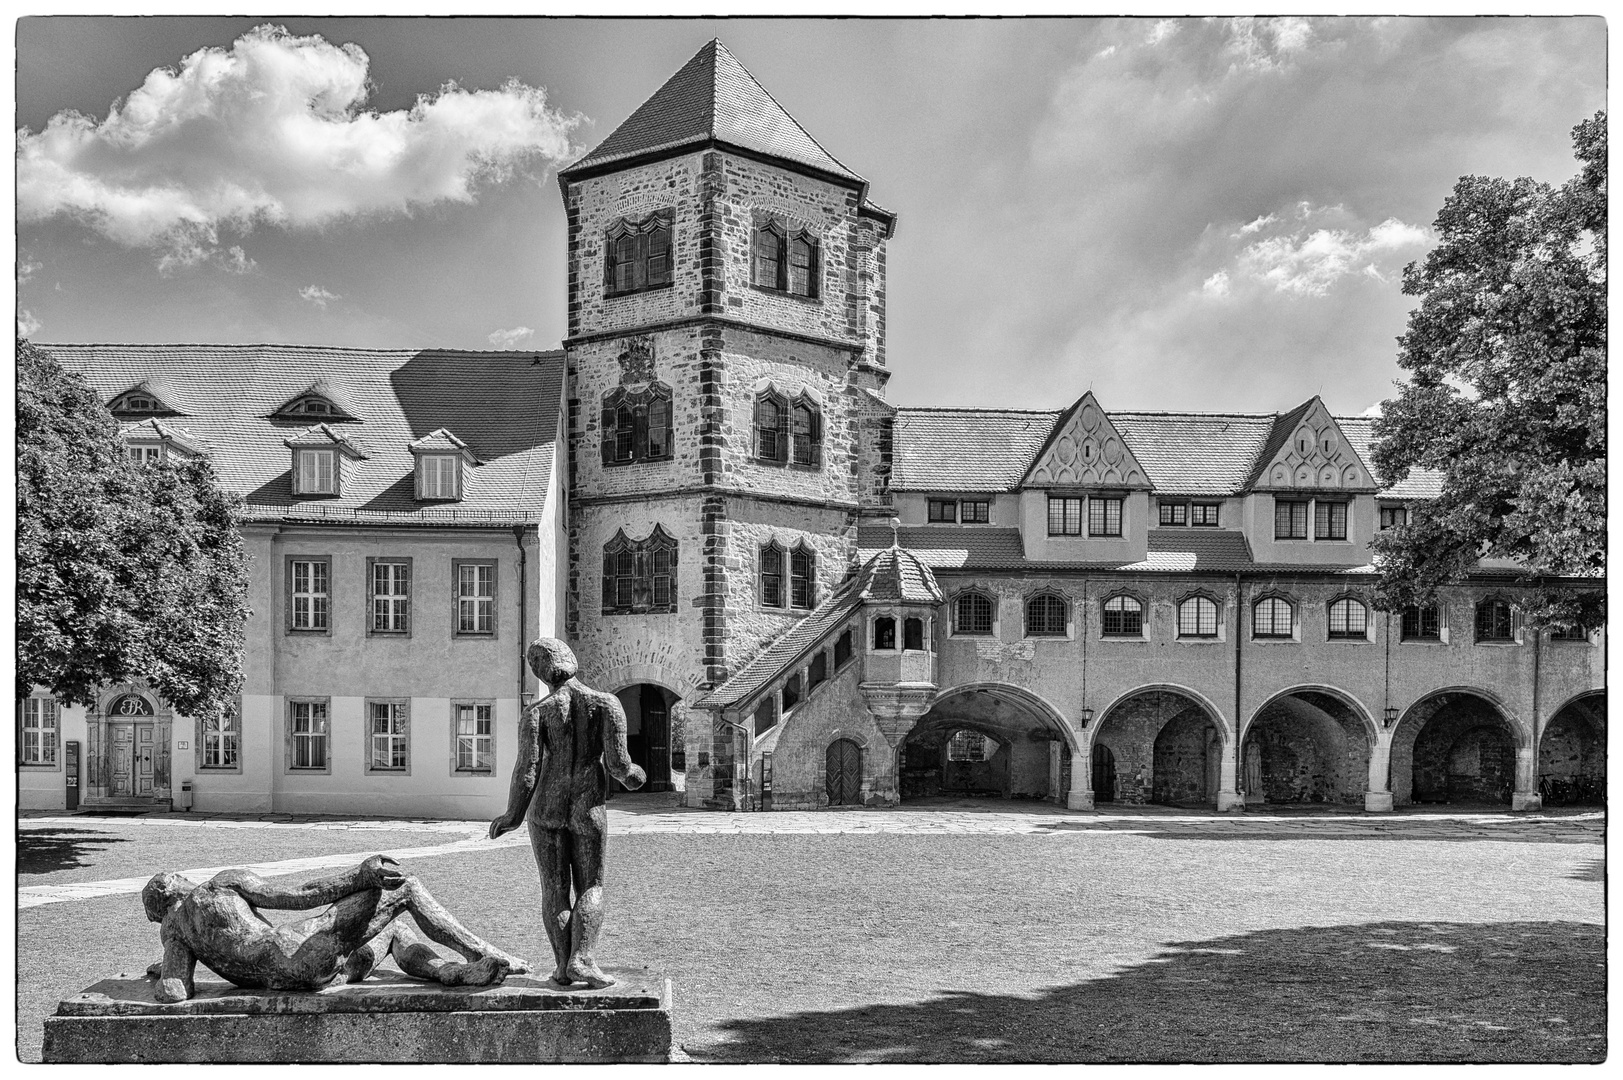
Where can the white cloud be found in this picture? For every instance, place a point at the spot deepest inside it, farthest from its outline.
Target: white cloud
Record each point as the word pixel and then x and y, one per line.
pixel 507 339
pixel 1161 31
pixel 1267 44
pixel 27 325
pixel 237 261
pixel 27 268
pixel 274 130
pixel 318 296
pixel 1260 223
pixel 1217 284
pixel 1307 262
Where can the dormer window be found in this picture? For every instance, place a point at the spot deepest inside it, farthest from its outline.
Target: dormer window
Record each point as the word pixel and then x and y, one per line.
pixel 315 473
pixel 136 403
pixel 321 400
pixel 145 453
pixel 311 406
pixel 439 476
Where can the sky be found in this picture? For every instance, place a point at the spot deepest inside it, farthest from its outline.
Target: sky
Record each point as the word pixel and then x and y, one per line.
pixel 1183 214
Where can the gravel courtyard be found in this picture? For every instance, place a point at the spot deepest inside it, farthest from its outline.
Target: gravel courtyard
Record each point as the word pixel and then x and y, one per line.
pixel 997 932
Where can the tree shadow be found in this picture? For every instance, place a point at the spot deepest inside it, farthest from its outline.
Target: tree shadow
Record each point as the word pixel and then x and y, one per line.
pixel 1593 870
pixel 1300 829
pixel 1374 992
pixel 45 851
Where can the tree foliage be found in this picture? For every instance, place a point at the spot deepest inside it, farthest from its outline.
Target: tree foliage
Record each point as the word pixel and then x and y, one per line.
pixel 1507 393
pixel 124 571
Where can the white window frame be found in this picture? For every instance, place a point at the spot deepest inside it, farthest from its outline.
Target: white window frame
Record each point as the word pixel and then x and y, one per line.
pixel 317 733
pixel 439 476
pixel 469 744
pixel 308 475
pixel 388 612
pixel 144 453
pixel 41 716
pixel 475 606
pixel 316 601
pixel 222 732
pixel 391 743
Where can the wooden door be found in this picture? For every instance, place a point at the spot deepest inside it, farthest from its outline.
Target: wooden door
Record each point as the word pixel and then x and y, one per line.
pixel 1104 774
pixel 122 737
pixel 656 727
pixel 844 773
pixel 145 752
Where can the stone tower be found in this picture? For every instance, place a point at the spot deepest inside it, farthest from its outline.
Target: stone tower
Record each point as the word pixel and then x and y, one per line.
pixel 725 372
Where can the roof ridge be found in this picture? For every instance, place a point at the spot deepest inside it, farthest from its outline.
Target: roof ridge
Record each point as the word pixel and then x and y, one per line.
pixel 722 49
pixel 974 409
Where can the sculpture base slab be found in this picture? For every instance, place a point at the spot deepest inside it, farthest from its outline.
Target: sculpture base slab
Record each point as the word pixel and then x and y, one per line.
pixel 388 1018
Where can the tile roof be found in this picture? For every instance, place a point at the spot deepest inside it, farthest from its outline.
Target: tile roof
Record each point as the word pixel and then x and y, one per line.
pixel 786 651
pixel 1204 549
pixel 504 405
pixel 1419 484
pixel 712 96
pixel 155 428
pixel 946 546
pixel 965 449
pixel 1194 453
pixel 898 574
pixel 1283 427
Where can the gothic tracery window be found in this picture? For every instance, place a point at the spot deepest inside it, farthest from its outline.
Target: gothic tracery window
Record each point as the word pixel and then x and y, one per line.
pixel 637 254
pixel 639 576
pixel 636 424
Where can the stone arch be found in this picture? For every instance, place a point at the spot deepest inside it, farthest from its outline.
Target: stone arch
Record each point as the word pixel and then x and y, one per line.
pixel 1024 724
pixel 1308 743
pixel 1168 742
pixel 671 724
pixel 1456 744
pixel 1572 752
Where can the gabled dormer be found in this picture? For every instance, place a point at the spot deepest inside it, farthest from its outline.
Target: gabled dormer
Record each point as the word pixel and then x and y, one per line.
pixel 322 401
pixel 1310 497
pixel 153 440
pixel 1307 451
pixel 151 396
pixel 439 463
pixel 1085 497
pixel 1084 450
pixel 319 454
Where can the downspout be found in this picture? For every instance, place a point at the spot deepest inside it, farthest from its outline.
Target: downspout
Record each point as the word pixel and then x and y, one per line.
pixel 523 624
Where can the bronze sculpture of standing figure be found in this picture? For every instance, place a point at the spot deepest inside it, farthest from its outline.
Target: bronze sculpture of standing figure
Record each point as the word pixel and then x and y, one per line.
pixel 569 744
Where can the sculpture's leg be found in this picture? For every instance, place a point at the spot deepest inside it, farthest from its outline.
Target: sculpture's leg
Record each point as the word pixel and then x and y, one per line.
pixel 591 833
pixel 552 850
pixel 364 960
pixel 419 961
pixel 360 917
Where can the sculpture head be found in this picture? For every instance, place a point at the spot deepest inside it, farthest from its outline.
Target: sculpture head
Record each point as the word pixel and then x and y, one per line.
pixel 552 661
pixel 163 892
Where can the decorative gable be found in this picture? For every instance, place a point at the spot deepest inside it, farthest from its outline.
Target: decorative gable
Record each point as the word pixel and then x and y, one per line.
pixel 1308 451
pixel 439 458
pixel 1085 450
pixel 321 400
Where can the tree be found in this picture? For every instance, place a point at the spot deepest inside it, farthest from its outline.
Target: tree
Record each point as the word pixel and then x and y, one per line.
pixel 124 571
pixel 1507 394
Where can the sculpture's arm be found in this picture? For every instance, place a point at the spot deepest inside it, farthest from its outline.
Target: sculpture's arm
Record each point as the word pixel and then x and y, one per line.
pixel 175 970
pixel 526 766
pixel 616 754
pixel 377 872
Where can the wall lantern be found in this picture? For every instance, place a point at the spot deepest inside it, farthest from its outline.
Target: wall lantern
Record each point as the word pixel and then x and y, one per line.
pixel 1085 715
pixel 1391 715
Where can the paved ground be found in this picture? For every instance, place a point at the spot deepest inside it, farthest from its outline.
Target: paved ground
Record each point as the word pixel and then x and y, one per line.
pixel 970 929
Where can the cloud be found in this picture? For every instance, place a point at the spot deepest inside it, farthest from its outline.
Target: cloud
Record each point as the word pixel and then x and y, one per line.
pixel 318 296
pixel 1216 285
pixel 507 339
pixel 1260 223
pixel 237 261
pixel 1161 31
pixel 27 267
pixel 27 325
pixel 274 130
pixel 1307 262
pixel 1267 44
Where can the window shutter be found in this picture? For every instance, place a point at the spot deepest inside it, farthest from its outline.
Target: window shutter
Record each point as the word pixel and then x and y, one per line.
pixel 606 430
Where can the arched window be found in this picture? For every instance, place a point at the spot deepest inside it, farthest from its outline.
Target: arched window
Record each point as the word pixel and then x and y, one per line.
pixel 1422 623
pixel 771 438
pixel 1272 617
pixel 802 576
pixel 637 253
pixel 967 745
pixel 972 614
pixel 1493 620
pixel 912 633
pixel 1123 617
pixel 800 266
pixel 806 422
pixel 884 633
pixel 636 424
pixel 1045 616
pixel 1197 618
pixel 768 256
pixel 784 261
pixel 639 575
pixel 1348 619
pixel 771 575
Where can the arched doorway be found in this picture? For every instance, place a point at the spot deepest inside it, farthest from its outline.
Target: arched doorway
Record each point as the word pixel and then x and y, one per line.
pixel 648 731
pixel 1454 747
pixel 842 776
pixel 1306 746
pixel 985 740
pixel 1163 746
pixel 1572 754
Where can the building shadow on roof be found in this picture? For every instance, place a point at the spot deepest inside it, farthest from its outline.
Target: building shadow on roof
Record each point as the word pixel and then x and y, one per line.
pixel 1373 992
pixel 498 403
pixel 400 496
pixel 277 491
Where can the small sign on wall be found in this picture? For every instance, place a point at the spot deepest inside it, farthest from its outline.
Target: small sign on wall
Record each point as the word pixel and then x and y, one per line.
pixel 182 745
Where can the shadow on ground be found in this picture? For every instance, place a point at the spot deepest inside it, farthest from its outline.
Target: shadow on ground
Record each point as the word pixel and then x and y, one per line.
pixel 1593 870
pixel 1249 828
pixel 1375 992
pixel 45 851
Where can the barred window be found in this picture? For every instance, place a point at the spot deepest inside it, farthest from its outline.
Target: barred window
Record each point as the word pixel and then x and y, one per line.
pixel 972 614
pixel 1064 517
pixel 1045 616
pixel 1329 521
pixel 1348 619
pixel 1123 617
pixel 802 576
pixel 1197 617
pixel 1271 617
pixel 772 575
pixel 1421 623
pixel 637 253
pixel 966 746
pixel 1290 519
pixel 1493 621
pixel 1104 517
pixel 639 575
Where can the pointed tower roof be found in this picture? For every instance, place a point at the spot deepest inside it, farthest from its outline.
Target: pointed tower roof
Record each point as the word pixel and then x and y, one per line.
pixel 712 99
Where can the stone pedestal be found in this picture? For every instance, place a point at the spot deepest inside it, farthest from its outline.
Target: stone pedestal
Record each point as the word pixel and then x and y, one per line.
pixel 388 1018
pixel 1378 802
pixel 1079 800
pixel 1526 800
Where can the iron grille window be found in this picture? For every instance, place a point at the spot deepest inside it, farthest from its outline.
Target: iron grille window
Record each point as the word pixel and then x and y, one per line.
pixel 476 598
pixel 1290 519
pixel 387 735
pixel 1204 514
pixel 475 736
pixel 912 633
pixel 1421 624
pixel 1123 617
pixel 637 254
pixel 1348 619
pixel 1271 617
pixel 771 576
pixel 1045 616
pixel 1174 513
pixel 966 746
pixel 309 723
pixel 1104 517
pixel 639 575
pixel 943 510
pixel 975 511
pixel 1197 618
pixel 1493 621
pixel 884 633
pixel 391 597
pixel 785 262
pixel 1329 521
pixel 972 614
pixel 802 577
pixel 842 649
pixel 636 425
pixel 38 720
pixel 1064 517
